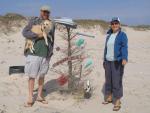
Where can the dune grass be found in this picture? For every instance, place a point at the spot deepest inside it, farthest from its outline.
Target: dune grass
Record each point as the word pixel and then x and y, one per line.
pixel 141 27
pixel 91 23
pixel 9 17
pixel 11 22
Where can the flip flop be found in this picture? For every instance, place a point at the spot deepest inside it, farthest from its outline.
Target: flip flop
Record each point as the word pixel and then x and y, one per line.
pixel 106 102
pixel 28 104
pixel 116 108
pixel 35 90
pixel 43 101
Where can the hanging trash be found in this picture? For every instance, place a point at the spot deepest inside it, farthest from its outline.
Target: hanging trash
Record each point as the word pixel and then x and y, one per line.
pixel 87 90
pixel 80 42
pixel 62 80
pixel 88 62
pixel 57 48
pixel 86 35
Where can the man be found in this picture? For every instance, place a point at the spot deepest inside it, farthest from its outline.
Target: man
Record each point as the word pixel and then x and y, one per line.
pixel 37 63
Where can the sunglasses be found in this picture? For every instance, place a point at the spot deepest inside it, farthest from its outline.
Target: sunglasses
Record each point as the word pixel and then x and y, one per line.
pixel 114 23
pixel 47 12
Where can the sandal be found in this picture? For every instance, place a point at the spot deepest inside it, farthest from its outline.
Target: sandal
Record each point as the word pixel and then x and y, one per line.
pixel 107 102
pixel 42 100
pixel 35 90
pixel 116 108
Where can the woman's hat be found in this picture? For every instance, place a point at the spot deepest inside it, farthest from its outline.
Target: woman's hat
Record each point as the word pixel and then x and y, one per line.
pixel 114 19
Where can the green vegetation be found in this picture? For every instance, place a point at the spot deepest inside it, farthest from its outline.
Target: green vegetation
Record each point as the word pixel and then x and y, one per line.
pixel 11 22
pixel 141 27
pixel 9 17
pixel 15 20
pixel 91 23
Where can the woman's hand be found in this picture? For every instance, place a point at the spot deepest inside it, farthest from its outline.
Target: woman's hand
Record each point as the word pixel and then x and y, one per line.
pixel 124 62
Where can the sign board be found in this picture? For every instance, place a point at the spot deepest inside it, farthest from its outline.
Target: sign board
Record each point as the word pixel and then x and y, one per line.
pixel 66 21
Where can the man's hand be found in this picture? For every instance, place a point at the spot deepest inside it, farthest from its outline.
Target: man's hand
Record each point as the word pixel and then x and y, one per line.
pixel 124 62
pixel 40 35
pixel 37 30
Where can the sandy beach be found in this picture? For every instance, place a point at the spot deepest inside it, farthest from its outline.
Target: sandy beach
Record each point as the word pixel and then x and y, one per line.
pixel 13 89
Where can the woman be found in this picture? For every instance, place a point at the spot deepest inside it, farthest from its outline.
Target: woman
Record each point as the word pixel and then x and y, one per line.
pixel 115 58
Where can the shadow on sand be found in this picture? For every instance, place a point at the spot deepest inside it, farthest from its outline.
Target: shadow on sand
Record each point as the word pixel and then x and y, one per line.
pixel 49 87
pixel 103 91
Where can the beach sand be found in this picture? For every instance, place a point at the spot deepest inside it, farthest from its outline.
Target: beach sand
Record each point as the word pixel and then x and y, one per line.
pixel 13 89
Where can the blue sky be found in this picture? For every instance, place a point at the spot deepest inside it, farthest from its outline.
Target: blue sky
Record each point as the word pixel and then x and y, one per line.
pixel 131 12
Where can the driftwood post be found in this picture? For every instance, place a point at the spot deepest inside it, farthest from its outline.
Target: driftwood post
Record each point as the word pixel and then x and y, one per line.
pixel 71 77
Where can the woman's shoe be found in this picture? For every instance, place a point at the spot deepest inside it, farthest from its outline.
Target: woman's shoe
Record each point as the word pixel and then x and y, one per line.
pixel 108 100
pixel 117 105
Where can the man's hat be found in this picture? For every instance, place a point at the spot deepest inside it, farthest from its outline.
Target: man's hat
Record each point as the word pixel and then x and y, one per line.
pixel 45 8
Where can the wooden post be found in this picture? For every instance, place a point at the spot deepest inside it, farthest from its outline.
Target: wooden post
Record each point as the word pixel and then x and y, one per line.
pixel 71 77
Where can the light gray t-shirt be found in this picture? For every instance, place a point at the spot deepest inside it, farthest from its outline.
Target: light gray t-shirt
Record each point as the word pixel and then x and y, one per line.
pixel 110 47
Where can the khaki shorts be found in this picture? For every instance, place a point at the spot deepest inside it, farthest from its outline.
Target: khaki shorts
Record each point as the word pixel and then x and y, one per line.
pixel 36 66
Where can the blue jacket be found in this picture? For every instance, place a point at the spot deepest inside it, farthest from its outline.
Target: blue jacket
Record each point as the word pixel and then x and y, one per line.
pixel 121 46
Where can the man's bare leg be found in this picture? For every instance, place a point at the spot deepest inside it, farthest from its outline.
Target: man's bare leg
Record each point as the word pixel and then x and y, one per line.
pixel 30 96
pixel 40 97
pixel 40 89
pixel 31 88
